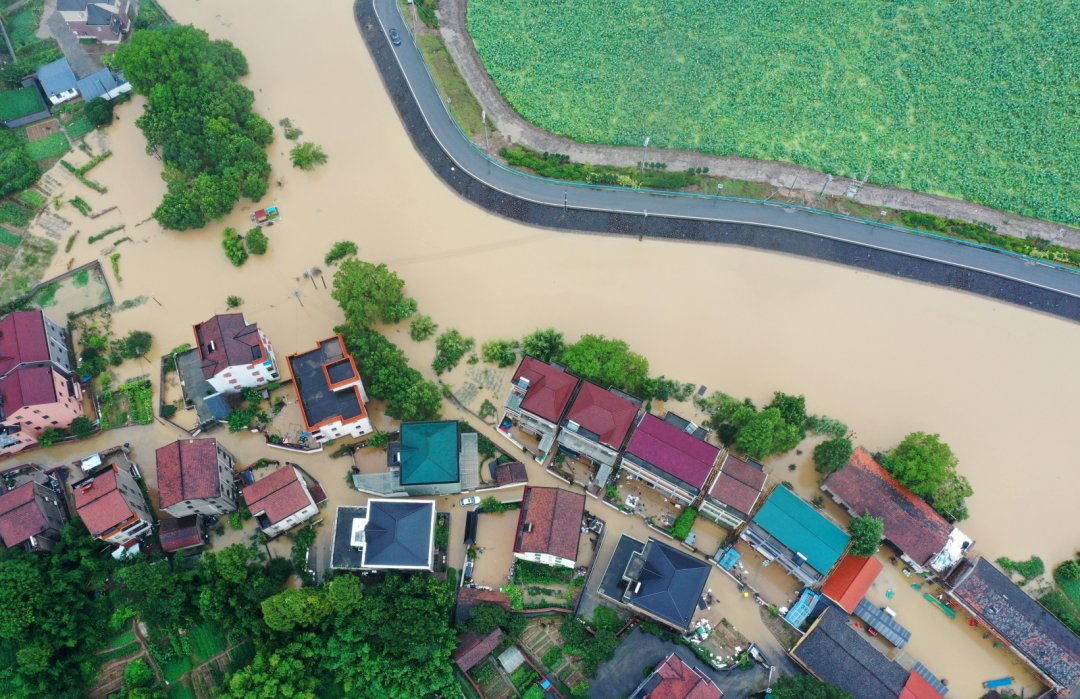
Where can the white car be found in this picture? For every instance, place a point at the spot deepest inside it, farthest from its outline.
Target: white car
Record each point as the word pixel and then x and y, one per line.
pixel 470 501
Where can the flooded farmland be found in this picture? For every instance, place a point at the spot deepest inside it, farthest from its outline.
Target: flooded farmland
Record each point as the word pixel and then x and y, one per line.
pixel 886 356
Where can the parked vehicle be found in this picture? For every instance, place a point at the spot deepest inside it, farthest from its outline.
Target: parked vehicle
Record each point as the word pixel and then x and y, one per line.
pixel 470 501
pixel 395 38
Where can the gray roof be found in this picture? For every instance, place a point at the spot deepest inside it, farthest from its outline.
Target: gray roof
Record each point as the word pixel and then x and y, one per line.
pixel 99 83
pixel 71 5
pixel 56 77
pixel 877 619
pixel 671 582
pixel 98 15
pixel 398 534
pixel 836 653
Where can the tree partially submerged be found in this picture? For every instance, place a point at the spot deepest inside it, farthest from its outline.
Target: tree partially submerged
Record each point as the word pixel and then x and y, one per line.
pixel 927 466
pixel 866 534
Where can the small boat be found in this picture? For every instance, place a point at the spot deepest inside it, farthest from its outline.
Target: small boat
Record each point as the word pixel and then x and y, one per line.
pixel 939 604
pixel 1002 682
pixel 916 586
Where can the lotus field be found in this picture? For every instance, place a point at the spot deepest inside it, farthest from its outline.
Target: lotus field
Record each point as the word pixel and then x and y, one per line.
pixel 974 99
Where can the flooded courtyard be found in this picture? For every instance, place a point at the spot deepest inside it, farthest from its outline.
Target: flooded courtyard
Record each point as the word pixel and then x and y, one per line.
pixel 886 356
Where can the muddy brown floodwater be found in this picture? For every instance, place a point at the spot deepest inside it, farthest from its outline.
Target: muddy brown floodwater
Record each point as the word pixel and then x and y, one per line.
pixel 884 355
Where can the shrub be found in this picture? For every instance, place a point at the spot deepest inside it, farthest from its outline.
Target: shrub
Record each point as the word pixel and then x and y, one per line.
pixel 307 155
pixel 50 436
pixel 1029 569
pixel 487 410
pixel 581 689
pixel 339 251
pixel 257 241
pixel 81 427
pixel 450 347
pixel 234 247
pixel 832 455
pixel 136 344
pixel 233 301
pixel 422 327
pixel 499 352
pixel 99 111
pixel 553 657
pixel 1069 570
pixel 684 523
pixel 168 410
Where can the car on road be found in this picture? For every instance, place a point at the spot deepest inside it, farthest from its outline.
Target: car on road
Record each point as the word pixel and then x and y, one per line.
pixel 470 501
pixel 395 38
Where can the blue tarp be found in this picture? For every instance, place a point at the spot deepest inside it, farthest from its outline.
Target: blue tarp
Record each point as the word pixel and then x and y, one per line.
pixel 803 608
pixel 729 559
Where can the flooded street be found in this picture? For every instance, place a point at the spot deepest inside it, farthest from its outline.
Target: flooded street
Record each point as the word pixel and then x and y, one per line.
pixel 885 356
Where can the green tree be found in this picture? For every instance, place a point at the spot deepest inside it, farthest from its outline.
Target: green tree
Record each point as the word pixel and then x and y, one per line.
pixel 764 433
pixel 422 327
pixel 792 408
pixel 307 155
pixel 832 455
pixel 450 347
pixel 1068 571
pixel 339 251
pixel 50 436
pixel 581 689
pixel 233 301
pixel 927 466
pixel 684 524
pixel 99 111
pixel 369 293
pixel 23 595
pixel 17 169
pixel 234 247
pixel 805 687
pixel 499 352
pixel 82 427
pixel 421 401
pixel 546 345
pixel 949 500
pixel 257 241
pixel 607 362
pixel 281 672
pixel 345 594
pixel 866 534
pixel 295 607
pixel 136 344
pixel 486 617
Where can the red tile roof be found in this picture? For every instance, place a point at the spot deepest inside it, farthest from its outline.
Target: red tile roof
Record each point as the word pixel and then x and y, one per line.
pixel 472 648
pixel 673 450
pixel 679 681
pixel 187 470
pixel 918 688
pixel 850 580
pixel 549 388
pixel 22 339
pixel 100 504
pixel 555 515
pixel 471 596
pixel 235 343
pixel 510 472
pixel 739 484
pixel 603 413
pixel 20 515
pixel 910 523
pixel 279 495
pixel 26 386
pixel 180 533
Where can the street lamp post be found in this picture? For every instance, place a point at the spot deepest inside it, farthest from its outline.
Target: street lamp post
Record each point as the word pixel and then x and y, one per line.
pixel 483 118
pixel 828 181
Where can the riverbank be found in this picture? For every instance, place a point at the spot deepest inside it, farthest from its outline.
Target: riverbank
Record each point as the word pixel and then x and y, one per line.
pixel 810 185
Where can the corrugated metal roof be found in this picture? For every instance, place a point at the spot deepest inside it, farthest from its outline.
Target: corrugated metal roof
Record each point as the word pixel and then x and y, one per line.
pixel 798 526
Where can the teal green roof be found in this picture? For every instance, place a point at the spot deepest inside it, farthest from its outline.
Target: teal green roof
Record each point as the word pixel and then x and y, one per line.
pixel 797 525
pixel 429 452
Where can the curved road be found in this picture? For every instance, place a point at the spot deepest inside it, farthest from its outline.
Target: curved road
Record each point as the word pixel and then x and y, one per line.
pixel 548 203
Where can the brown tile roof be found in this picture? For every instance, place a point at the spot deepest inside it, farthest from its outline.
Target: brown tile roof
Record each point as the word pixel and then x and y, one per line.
pixel 472 648
pixel 850 580
pixel 25 387
pixel 187 470
pixel 235 343
pixel 738 484
pixel 603 413
pixel 472 596
pixel 910 523
pixel 22 339
pixel 100 503
pixel 550 388
pixel 510 472
pixel 279 495
pixel 677 680
pixel 180 533
pixel 20 515
pixel 555 515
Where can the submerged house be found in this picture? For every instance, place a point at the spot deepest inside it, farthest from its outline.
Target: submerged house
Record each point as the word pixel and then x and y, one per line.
pixel 235 355
pixel 435 458
pixel 195 477
pixel 658 581
pixel 280 501
pixel 790 531
pixel 549 526
pixel 31 516
pixel 675 679
pixel 674 460
pixel 111 504
pixel 735 492
pixel 922 537
pixel 849 582
pixel 1021 623
pixel 331 393
pixel 539 396
pixel 385 535
pixel 177 534
pixel 597 424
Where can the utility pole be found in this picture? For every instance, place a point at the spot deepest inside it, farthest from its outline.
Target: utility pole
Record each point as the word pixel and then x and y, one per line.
pixel 483 118
pixel 828 181
pixel 792 187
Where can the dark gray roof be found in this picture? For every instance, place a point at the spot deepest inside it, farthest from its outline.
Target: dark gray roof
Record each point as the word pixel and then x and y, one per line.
pixel 1033 632
pixel 319 402
pixel 98 15
pixel 671 582
pixel 836 653
pixel 71 5
pixel 56 77
pixel 343 554
pixel 612 584
pixel 99 83
pixel 398 534
pixel 883 623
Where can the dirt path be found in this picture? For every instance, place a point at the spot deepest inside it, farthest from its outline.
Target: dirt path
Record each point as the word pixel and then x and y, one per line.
pixel 809 182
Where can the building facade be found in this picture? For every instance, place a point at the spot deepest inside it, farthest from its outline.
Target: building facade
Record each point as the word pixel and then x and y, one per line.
pixel 196 477
pixel 111 504
pixel 331 393
pixel 235 355
pixel 280 501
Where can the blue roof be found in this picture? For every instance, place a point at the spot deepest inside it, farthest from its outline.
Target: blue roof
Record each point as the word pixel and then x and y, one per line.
pixel 671 583
pixel 429 452
pixel 56 77
pixel 797 525
pixel 99 83
pixel 399 534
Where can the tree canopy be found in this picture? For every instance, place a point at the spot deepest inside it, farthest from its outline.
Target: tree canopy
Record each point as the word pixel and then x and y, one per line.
pixel 805 687
pixel 927 466
pixel 779 427
pixel 199 119
pixel 17 169
pixel 369 293
pixel 866 534
pixel 606 362
pixel 546 345
pixel 832 455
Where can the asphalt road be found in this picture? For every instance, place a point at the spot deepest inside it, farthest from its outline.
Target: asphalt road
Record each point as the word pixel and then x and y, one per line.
pixel 548 203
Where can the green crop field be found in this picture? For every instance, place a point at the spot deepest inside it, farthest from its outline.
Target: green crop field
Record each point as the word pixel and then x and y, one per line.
pixel 974 99
pixel 20 102
pixel 52 146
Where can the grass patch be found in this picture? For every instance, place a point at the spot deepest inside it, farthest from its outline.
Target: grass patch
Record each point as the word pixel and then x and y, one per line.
pixel 176 668
pixel 16 215
pixel 52 146
pixel 207 641
pixel 82 205
pixel 105 233
pixel 46 296
pixel 79 128
pixel 122 640
pixel 180 691
pixel 242 655
pixel 8 238
pixel 114 259
pixel 32 198
pixel 827 95
pixel 121 652
pixel 81 278
pixel 19 103
pixel 463 105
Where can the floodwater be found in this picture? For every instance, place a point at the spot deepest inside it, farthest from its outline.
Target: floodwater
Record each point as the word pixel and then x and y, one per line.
pixel 886 356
